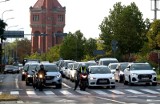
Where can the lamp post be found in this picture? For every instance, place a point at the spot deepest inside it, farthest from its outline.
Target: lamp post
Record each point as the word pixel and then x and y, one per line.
pixel 4 1
pixel 6 11
pixel 8 19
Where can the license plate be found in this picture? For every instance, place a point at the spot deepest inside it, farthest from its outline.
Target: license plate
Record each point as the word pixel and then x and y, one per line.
pixel 48 81
pixel 103 81
pixel 145 78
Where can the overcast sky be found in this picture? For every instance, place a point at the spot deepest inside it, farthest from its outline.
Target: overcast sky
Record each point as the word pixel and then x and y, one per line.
pixel 83 15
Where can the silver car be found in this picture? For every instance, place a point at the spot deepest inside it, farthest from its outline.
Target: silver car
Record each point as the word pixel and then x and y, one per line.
pixel 53 76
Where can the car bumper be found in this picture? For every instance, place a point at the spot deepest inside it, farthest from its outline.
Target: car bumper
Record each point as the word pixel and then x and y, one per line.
pixel 135 79
pixel 98 82
pixel 53 80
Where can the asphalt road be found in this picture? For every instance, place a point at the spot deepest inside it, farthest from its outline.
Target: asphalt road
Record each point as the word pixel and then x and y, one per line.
pixel 122 94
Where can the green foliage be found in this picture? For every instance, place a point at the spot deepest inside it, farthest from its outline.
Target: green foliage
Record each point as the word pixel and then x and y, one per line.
pixel 125 25
pixel 2 27
pixel 153 35
pixel 73 46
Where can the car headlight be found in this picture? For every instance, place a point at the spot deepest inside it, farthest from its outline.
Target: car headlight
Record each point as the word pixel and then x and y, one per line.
pixel 58 76
pixel 134 74
pixel 92 78
pixel 112 77
pixel 23 72
pixel 154 74
pixel 29 75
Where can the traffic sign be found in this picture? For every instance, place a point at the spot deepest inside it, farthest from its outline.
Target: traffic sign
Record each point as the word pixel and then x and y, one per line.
pixel 13 34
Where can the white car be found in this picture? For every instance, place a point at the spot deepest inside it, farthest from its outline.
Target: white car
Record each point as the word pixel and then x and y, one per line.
pixel 112 67
pixel 100 75
pixel 141 73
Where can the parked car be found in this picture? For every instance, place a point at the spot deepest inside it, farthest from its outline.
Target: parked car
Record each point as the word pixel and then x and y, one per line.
pixel 100 75
pixel 119 73
pixel 140 73
pixel 112 67
pixel 53 76
pixel 106 61
pixel 29 72
pixel 10 69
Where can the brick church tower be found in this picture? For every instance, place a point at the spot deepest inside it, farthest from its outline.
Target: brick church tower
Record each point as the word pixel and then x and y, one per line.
pixel 47 20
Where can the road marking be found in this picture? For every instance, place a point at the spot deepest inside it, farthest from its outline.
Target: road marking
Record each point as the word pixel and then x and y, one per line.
pixel 82 92
pixel 117 92
pixel 100 92
pixel 16 81
pixel 31 93
pixel 65 85
pixel 111 100
pixel 65 92
pixel 0 93
pixel 14 92
pixel 49 93
pixel 134 91
pixel 150 91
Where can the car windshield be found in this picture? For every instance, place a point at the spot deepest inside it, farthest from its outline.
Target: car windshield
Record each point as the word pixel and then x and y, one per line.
pixel 99 70
pixel 106 62
pixel 123 66
pixel 90 64
pixel 51 68
pixel 113 66
pixel 141 67
pixel 32 67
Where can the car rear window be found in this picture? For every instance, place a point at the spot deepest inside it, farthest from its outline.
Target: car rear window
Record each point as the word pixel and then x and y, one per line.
pixel 51 68
pixel 99 70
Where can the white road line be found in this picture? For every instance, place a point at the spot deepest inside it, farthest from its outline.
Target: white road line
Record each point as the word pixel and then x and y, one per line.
pixel 14 92
pixel 82 92
pixel 66 85
pixel 16 82
pixel 0 93
pixel 150 91
pixel 117 92
pixel 100 92
pixel 65 92
pixel 115 101
pixel 49 93
pixel 31 93
pixel 134 91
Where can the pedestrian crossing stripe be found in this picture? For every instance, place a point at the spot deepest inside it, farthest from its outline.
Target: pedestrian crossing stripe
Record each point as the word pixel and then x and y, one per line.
pixel 67 92
pixel 134 91
pixel 150 91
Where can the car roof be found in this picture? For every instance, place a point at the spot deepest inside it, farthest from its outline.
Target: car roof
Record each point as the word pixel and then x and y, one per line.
pixel 98 66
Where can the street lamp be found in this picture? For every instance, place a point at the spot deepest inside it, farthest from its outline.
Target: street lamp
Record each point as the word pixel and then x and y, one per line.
pixel 8 19
pixel 6 11
pixel 11 26
pixel 4 1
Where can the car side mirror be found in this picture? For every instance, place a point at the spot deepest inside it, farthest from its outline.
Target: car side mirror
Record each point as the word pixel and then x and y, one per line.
pixel 117 69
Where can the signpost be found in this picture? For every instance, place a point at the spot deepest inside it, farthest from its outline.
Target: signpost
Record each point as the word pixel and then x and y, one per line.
pixel 13 34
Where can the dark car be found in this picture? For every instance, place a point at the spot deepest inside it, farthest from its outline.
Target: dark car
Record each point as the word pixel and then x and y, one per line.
pixel 10 69
pixel 28 74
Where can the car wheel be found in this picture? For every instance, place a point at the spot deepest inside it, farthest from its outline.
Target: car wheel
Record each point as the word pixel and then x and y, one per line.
pixel 27 84
pixel 154 84
pixel 130 83
pixel 113 87
pixel 59 86
pixel 125 82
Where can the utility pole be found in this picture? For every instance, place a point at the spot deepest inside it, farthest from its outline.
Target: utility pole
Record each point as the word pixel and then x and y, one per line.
pixel 154 7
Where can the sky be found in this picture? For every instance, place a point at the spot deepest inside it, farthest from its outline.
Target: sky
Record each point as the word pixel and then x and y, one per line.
pixel 83 15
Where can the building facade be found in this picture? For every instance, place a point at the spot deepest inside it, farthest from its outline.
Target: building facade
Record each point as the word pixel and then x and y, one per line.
pixel 47 21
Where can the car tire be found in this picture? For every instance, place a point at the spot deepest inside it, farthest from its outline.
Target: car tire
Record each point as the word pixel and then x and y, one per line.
pixel 27 83
pixel 59 86
pixel 113 87
pixel 130 83
pixel 154 84
pixel 125 82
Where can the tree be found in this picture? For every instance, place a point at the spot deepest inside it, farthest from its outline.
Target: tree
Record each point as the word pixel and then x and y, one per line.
pixel 153 35
pixel 73 46
pixel 125 25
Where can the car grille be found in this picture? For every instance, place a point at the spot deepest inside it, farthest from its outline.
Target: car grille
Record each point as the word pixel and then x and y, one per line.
pixel 144 76
pixel 103 81
pixel 49 77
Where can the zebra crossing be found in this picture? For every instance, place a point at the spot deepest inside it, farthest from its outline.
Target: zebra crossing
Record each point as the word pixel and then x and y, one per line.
pixel 71 92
